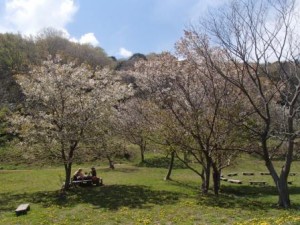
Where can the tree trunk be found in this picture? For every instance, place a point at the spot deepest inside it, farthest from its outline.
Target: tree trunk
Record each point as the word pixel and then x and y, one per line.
pixel 168 177
pixel 203 180
pixel 281 186
pixel 142 154
pixel 204 187
pixel 143 149
pixel 68 169
pixel 284 197
pixel 280 182
pixel 111 163
pixel 207 174
pixel 68 162
pixel 206 177
pixel 216 180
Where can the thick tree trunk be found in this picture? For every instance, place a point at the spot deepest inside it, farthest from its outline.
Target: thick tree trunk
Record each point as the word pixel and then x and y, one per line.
pixel 207 173
pixel 68 169
pixel 280 182
pixel 284 197
pixel 216 180
pixel 68 158
pixel 168 176
pixel 204 189
pixel 281 186
pixel 111 163
pixel 206 177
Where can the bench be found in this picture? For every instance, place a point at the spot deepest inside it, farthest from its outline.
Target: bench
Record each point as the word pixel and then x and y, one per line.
pixel 223 179
pixel 259 183
pixel 264 173
pixel 232 174
pixel 80 182
pixel 248 174
pixel 292 174
pixel 235 181
pixel 74 183
pixel 22 209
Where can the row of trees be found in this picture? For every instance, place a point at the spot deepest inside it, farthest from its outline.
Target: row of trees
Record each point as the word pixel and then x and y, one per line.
pixel 236 90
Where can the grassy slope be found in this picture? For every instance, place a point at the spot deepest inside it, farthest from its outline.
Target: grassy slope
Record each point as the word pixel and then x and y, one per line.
pixel 139 195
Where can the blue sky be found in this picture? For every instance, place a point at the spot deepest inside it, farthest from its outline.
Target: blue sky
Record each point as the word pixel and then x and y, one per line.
pixel 120 27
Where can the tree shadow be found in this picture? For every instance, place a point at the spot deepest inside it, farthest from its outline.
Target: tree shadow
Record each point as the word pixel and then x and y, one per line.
pixel 256 191
pixel 195 187
pixel 247 197
pixel 232 202
pixel 110 197
pixel 10 201
pixel 162 162
pixel 116 196
pixel 243 197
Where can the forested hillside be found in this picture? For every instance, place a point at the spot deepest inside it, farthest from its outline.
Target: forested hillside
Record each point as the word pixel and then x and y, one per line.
pixel 18 53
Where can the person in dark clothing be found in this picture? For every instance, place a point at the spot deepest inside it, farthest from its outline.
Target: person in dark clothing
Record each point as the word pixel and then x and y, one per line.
pixel 93 172
pixel 96 180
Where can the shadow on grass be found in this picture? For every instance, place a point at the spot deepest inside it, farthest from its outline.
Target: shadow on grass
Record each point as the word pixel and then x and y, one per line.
pixel 245 197
pixel 232 202
pixel 161 162
pixel 248 197
pixel 10 201
pixel 116 196
pixel 195 186
pixel 110 197
pixel 254 191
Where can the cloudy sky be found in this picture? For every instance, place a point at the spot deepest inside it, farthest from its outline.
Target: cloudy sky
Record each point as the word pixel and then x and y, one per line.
pixel 120 27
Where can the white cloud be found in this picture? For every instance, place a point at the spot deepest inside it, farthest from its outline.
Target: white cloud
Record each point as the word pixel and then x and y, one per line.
pixel 89 38
pixel 125 53
pixel 30 16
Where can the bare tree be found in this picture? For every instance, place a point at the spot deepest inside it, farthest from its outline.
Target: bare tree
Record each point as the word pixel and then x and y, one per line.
pixel 189 110
pixel 254 46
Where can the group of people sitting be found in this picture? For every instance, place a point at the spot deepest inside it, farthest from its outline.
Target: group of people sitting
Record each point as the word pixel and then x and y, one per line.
pixel 91 177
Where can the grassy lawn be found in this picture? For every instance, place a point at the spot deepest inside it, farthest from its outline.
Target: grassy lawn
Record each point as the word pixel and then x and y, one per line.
pixel 139 195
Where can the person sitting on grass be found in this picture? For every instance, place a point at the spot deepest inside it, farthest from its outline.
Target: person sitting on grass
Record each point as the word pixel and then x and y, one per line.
pixel 96 180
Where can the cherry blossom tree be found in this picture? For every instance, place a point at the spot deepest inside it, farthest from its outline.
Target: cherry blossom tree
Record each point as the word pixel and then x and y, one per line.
pixel 192 109
pixel 131 123
pixel 63 102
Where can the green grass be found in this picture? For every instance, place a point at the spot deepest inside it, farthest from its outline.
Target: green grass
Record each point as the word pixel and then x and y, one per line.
pixel 139 195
